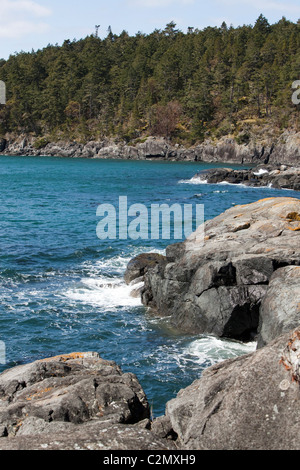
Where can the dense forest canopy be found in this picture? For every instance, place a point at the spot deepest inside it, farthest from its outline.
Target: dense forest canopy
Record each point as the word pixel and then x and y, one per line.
pixel 184 86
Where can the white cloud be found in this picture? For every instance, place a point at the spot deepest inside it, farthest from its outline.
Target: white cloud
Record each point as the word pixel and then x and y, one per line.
pixel 11 7
pixel 18 29
pixel 22 17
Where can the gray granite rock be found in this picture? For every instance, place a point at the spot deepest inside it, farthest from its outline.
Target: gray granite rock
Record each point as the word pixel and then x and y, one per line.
pixel 214 282
pixel 280 309
pixel 248 403
pixel 74 401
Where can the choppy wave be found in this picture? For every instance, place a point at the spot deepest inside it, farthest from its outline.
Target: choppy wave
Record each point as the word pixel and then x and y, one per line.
pixel 260 172
pixel 194 180
pixel 214 350
pixel 103 286
pixel 103 293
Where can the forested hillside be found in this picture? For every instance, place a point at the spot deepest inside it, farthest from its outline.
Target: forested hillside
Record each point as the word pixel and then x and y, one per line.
pixel 184 86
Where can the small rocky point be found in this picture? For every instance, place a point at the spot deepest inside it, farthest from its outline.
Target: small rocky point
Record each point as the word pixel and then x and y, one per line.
pixel 273 176
pixel 214 281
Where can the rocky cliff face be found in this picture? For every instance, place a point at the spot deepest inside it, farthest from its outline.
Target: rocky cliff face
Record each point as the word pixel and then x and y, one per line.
pixel 214 282
pixel 283 150
pixel 280 308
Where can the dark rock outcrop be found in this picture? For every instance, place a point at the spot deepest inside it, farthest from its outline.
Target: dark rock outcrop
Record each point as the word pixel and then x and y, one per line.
pixel 74 401
pixel 280 309
pixel 2 145
pixel 213 283
pixel 280 177
pixel 138 266
pixel 248 403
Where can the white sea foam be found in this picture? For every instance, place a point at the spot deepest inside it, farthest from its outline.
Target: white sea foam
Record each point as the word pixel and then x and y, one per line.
pixel 260 172
pixel 194 180
pixel 225 183
pixel 103 293
pixel 104 286
pixel 199 180
pixel 214 350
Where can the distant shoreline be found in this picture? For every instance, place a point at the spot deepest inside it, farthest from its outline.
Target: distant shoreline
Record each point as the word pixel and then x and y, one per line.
pixel 284 151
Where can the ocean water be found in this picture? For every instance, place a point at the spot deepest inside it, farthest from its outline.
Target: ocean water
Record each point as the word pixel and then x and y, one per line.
pixel 62 288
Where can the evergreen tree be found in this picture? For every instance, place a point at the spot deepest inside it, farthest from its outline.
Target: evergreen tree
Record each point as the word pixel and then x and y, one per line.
pixel 187 85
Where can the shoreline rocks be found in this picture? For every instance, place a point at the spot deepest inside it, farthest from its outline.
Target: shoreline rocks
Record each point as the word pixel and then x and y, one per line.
pixel 247 403
pixel 138 266
pixel 280 308
pixel 77 402
pixel 237 275
pixel 214 282
pixel 74 401
pixel 277 177
pixel 284 150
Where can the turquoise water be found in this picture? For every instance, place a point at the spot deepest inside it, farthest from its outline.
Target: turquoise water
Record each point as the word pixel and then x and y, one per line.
pixel 61 287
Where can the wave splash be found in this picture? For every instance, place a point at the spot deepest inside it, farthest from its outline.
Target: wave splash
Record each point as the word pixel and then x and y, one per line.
pixel 103 285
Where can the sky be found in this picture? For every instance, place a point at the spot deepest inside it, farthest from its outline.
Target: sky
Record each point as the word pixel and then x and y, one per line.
pixel 33 24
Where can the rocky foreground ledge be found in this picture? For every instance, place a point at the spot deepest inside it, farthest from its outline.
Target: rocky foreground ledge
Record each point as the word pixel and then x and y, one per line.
pixel 77 401
pixel 82 402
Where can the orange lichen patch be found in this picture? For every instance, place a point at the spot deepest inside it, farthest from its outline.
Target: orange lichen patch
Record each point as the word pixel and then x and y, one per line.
pixel 39 394
pixel 239 215
pixel 101 413
pixel 257 202
pixel 293 216
pixel 286 366
pixel 266 199
pixel 294 229
pixel 65 357
pixel 284 203
pixel 207 238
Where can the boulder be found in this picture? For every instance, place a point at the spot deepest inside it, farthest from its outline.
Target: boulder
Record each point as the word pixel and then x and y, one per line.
pixel 214 281
pixel 74 401
pixel 139 265
pixel 247 403
pixel 280 309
